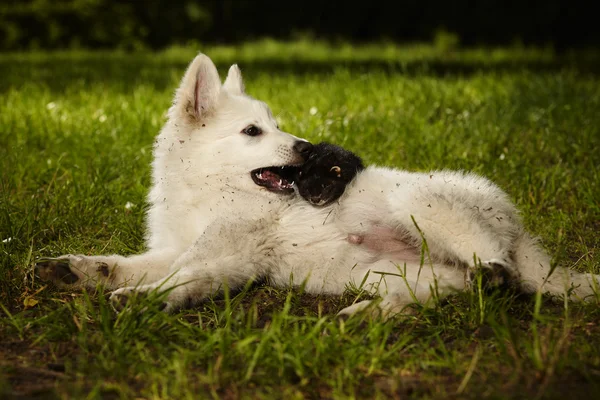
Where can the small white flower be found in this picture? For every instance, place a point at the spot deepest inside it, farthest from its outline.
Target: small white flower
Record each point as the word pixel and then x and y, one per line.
pixel 313 111
pixel 7 240
pixel 51 105
pixel 129 205
pixel 502 156
pixel 102 118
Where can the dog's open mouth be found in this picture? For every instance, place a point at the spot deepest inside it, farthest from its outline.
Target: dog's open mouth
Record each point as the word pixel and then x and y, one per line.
pixel 276 179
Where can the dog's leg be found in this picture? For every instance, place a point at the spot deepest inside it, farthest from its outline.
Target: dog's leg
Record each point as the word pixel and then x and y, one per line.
pixel 194 281
pixel 112 271
pixel 227 254
pixel 495 236
pixel 462 218
pixel 457 230
pixel 537 273
pixel 402 285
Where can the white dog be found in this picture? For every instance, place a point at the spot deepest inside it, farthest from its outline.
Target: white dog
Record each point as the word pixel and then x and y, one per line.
pixel 221 214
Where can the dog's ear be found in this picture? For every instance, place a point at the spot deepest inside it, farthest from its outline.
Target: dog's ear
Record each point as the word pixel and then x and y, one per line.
pixel 234 83
pixel 197 96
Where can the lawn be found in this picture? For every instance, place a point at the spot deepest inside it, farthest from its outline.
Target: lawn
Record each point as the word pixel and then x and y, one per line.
pixel 76 135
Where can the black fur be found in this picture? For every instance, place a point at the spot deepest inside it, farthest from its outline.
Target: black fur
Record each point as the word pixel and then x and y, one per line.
pixel 322 179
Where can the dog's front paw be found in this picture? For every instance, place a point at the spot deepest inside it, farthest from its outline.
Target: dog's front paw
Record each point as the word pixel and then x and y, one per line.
pixel 59 270
pixel 75 270
pixel 119 298
pixel 354 309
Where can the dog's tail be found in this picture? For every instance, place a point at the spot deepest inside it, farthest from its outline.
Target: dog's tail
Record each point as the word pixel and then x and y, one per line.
pixel 537 273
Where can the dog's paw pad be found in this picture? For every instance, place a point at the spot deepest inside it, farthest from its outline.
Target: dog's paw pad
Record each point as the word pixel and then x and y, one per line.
pixel 55 269
pixel 102 269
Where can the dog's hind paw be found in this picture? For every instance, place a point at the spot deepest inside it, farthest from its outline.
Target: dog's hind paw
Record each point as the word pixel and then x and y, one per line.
pixel 57 270
pixel 494 273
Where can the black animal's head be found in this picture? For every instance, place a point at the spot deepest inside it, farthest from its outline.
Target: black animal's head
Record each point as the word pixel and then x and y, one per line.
pixel 322 179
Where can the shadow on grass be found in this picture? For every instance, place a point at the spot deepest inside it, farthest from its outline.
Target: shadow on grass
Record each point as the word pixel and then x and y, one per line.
pixel 128 71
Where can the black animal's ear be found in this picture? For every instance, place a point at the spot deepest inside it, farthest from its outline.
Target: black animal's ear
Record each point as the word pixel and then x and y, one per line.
pixel 336 170
pixel 198 93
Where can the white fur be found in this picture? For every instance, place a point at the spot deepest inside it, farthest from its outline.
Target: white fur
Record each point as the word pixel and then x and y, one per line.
pixel 210 225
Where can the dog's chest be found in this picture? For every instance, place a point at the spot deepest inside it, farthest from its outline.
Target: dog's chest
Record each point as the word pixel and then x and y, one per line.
pixel 312 237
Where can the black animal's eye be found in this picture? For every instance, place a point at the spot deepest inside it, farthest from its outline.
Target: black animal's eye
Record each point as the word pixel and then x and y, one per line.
pixel 252 130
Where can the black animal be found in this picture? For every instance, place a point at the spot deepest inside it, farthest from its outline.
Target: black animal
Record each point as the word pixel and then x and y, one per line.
pixel 322 179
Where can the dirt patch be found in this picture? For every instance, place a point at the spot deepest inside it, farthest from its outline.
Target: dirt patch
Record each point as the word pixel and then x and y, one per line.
pixel 32 371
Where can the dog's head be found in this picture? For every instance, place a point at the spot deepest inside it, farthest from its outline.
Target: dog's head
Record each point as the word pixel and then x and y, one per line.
pixel 325 175
pixel 230 132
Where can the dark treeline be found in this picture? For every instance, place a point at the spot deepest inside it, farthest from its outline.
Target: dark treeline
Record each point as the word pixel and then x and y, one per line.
pixel 158 23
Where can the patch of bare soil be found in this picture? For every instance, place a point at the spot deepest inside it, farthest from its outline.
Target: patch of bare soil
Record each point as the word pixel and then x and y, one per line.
pixel 28 371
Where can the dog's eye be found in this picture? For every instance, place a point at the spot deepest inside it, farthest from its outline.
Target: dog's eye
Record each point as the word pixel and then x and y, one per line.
pixel 252 130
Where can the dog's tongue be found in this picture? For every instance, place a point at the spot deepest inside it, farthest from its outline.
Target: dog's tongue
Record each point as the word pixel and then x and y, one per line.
pixel 270 176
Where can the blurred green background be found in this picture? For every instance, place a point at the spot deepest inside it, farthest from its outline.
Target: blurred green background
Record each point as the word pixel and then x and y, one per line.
pixel 154 24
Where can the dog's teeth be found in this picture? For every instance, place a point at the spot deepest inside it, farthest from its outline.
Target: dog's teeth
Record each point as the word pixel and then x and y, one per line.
pixel 292 183
pixel 280 182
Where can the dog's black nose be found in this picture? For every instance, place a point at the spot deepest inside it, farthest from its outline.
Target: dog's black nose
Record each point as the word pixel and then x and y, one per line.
pixel 304 148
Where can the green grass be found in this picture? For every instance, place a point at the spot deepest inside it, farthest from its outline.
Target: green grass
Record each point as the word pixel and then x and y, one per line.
pixel 76 133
